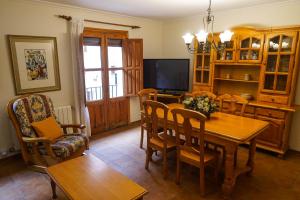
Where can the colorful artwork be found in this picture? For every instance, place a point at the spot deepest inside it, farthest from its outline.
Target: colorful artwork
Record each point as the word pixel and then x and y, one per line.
pixel 36 64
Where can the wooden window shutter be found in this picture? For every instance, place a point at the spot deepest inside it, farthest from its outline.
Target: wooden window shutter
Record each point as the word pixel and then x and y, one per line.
pixel 133 63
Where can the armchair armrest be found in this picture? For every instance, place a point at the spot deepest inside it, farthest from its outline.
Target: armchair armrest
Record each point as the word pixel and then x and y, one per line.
pixel 33 140
pixel 75 127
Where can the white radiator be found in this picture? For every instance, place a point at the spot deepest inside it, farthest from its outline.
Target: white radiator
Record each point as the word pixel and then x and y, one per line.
pixel 64 115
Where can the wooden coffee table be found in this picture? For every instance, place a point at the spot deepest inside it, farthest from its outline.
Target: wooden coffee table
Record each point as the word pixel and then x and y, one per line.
pixel 87 177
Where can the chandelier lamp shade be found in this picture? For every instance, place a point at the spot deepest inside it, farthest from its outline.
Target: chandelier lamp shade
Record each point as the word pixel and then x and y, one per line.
pixel 204 41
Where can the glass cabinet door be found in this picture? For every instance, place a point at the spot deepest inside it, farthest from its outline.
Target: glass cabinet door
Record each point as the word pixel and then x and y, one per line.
pixel 202 65
pixel 278 62
pixel 229 53
pixel 250 48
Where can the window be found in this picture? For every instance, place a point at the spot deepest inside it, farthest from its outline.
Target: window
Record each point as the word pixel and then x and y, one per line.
pixel 112 64
pixel 115 68
pixel 92 68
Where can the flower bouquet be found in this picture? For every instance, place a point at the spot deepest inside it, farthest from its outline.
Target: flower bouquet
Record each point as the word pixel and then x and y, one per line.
pixel 203 104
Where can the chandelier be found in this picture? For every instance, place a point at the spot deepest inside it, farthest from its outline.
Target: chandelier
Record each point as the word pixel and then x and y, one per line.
pixel 204 43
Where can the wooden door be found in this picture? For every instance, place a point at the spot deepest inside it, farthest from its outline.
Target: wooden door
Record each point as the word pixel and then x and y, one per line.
pixel 106 92
pixel 279 54
pixel 250 48
pixel 94 79
pixel 117 100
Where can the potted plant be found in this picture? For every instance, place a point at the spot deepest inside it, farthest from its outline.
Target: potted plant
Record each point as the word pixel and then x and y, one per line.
pixel 203 104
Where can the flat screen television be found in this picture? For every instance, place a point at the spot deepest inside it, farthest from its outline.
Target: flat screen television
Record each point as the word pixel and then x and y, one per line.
pixel 167 75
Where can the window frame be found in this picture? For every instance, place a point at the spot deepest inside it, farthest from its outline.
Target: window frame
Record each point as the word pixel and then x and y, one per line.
pixel 104 35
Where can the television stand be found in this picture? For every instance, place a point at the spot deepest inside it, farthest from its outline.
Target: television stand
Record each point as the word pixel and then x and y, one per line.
pixel 170 98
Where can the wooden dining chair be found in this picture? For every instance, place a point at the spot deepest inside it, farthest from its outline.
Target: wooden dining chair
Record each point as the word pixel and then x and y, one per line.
pixel 145 94
pixel 157 141
pixel 233 101
pixel 186 122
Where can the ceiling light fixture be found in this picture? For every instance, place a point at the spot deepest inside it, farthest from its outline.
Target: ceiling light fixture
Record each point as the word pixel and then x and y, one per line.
pixel 205 42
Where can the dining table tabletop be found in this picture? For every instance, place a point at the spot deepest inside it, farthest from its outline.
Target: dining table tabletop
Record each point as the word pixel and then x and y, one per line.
pixel 227 131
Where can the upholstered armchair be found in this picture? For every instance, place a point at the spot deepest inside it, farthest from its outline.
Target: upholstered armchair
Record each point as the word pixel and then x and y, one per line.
pixel 38 151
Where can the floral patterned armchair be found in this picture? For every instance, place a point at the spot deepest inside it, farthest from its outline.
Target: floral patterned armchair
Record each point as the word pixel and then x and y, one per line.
pixel 40 151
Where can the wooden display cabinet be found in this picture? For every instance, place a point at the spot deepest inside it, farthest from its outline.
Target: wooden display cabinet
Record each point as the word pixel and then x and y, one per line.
pixel 263 63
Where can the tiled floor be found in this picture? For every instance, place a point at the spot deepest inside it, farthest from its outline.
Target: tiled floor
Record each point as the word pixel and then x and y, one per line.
pixel 273 178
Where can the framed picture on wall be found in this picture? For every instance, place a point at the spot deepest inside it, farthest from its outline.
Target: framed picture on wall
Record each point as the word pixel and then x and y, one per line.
pixel 35 63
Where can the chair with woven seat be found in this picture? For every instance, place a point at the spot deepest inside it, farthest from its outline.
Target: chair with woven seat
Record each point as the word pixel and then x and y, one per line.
pixel 145 94
pixel 155 140
pixel 188 152
pixel 40 152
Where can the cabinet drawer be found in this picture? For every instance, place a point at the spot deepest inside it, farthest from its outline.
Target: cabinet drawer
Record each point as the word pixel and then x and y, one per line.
pixel 273 99
pixel 270 113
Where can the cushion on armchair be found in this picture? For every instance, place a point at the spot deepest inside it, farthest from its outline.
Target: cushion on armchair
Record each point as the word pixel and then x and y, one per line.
pixel 48 128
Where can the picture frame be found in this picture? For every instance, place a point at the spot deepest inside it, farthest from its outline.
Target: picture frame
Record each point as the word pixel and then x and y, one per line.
pixel 34 63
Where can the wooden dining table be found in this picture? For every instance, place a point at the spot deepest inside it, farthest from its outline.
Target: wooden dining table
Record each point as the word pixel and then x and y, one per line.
pixel 228 131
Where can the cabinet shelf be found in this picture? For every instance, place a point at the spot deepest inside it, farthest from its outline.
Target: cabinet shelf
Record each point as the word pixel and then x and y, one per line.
pixel 278 73
pixel 200 54
pixel 200 69
pixel 236 80
pixel 237 64
pixel 280 53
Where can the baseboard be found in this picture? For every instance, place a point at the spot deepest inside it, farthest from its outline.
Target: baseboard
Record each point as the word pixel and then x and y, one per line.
pixel 116 130
pixel 9 154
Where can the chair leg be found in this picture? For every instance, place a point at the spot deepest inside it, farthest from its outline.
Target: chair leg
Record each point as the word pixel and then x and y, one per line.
pixel 165 164
pixel 170 132
pixel 178 171
pixel 53 187
pixel 218 166
pixel 148 157
pixel 202 181
pixel 142 137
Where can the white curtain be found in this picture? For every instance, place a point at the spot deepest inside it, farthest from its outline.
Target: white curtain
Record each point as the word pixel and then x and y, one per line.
pixel 81 111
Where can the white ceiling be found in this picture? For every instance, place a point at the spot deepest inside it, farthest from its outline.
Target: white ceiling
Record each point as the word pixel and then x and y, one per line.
pixel 161 8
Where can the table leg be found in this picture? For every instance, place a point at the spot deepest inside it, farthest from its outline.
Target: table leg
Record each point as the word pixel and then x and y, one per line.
pixel 252 150
pixel 53 187
pixel 229 180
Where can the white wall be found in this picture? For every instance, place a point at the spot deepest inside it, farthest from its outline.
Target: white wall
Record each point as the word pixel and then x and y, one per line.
pixel 25 17
pixel 268 15
pixel 161 39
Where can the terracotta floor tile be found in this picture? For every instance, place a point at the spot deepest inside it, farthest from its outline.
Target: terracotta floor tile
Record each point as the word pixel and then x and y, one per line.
pixel 273 178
